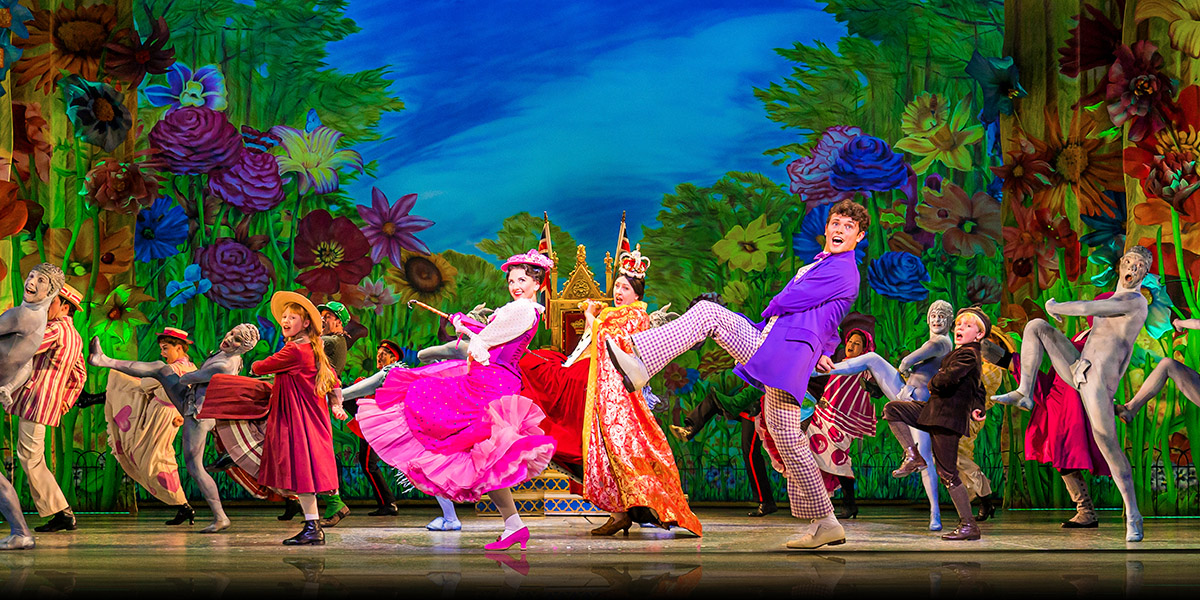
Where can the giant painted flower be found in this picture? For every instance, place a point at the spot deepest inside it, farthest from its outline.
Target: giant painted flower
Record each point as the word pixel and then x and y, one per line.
pixel 13 211
pixel 120 187
pixel 204 88
pixel 810 241
pixel 97 111
pixel 390 228
pixel 1023 174
pixel 121 310
pixel 131 62
pixel 810 175
pixel 746 248
pixel 1183 17
pixel 735 293
pixel 333 250
pixel 1092 43
pixel 70 39
pixel 428 278
pixel 969 225
pixel 13 17
pixel 866 164
pixel 949 144
pixel 1107 259
pixel 238 275
pixel 1174 178
pixel 1027 253
pixel 252 184
pixel 900 276
pixel 1138 92
pixel 1000 82
pixel 1181 140
pixel 31 145
pixel 982 289
pixel 159 230
pixel 9 55
pixel 314 156
pixel 1158 314
pixel 1059 232
pixel 1106 229
pixel 1080 163
pixel 925 114
pixel 196 140
pixel 193 284
pixel 376 295
pixel 115 253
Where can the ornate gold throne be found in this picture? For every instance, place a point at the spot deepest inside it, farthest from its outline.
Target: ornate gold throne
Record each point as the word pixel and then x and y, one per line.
pixel 565 317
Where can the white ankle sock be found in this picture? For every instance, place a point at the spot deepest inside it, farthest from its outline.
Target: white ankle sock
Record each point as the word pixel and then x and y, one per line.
pixel 512 525
pixel 314 517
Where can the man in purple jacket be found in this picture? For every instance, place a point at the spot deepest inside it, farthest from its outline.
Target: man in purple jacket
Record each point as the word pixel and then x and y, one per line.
pixel 798 333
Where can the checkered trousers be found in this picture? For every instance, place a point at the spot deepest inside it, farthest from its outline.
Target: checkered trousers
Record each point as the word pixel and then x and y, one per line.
pixel 659 346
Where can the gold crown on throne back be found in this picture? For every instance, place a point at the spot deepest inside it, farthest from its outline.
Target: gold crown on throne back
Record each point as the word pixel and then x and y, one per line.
pixel 633 264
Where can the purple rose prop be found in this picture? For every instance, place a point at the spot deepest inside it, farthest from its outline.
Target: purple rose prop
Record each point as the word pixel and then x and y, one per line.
pixel 810 175
pixel 868 163
pixel 239 279
pixel 252 184
pixel 196 140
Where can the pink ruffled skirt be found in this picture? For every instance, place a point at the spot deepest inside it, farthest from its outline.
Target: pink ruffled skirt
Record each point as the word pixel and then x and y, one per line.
pixel 456 432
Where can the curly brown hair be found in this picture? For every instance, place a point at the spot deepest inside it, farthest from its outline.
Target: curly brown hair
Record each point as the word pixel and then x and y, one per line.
pixel 855 211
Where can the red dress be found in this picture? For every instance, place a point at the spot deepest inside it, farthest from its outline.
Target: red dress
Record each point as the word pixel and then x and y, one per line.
pixel 561 393
pixel 297 454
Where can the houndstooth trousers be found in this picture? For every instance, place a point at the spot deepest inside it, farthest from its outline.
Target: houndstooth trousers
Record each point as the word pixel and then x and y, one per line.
pixel 660 345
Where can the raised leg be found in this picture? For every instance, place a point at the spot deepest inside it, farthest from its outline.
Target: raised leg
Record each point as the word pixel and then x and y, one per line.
pixel 659 346
pixel 1185 378
pixel 156 370
pixel 195 435
pixel 1040 339
pixel 1098 405
pixel 886 376
pixel 928 479
pixel 366 387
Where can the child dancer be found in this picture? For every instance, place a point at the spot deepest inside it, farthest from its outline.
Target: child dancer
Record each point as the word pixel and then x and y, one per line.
pixel 458 429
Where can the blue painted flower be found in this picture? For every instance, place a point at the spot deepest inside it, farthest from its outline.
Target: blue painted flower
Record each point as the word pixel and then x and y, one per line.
pixel 1000 83
pixel 1106 229
pixel 182 291
pixel 270 334
pixel 410 356
pixel 811 239
pixel 17 16
pixel 900 276
pixel 203 88
pixel 160 230
pixel 1158 317
pixel 10 54
pixel 1108 258
pixel 867 163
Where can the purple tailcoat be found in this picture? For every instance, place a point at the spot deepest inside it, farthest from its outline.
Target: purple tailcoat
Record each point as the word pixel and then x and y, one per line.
pixel 809 310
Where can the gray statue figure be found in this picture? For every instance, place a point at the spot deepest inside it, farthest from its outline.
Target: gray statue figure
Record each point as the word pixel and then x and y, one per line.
pixel 22 329
pixel 187 392
pixel 1186 379
pixel 1096 371
pixel 911 382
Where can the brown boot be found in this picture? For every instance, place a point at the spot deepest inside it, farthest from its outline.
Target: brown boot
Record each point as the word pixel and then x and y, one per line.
pixel 965 531
pixel 912 463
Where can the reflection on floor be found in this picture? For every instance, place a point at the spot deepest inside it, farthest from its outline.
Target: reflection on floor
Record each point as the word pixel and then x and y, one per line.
pixel 888 552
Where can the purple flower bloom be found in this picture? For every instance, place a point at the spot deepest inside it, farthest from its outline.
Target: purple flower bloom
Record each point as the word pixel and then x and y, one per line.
pixel 810 174
pixel 390 228
pixel 204 88
pixel 239 278
pixel 252 184
pixel 196 140
pixel 866 164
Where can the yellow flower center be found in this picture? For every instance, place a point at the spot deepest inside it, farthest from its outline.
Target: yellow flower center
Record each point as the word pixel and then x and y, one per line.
pixel 1018 171
pixel 748 247
pixel 1071 162
pixel 192 94
pixel 329 254
pixel 389 228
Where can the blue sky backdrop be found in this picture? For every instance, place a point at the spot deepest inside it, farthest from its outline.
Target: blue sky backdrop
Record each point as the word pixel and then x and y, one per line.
pixel 579 108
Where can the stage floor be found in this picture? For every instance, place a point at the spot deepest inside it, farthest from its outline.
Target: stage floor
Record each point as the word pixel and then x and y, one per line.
pixel 888 551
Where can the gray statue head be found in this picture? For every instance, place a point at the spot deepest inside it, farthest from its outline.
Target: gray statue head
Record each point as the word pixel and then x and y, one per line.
pixel 1134 266
pixel 44 282
pixel 240 339
pixel 940 316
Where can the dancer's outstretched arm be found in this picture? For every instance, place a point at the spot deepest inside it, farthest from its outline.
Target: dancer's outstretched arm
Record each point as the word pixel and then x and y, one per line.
pixel 931 350
pixel 367 386
pixel 1108 307
pixel 1181 324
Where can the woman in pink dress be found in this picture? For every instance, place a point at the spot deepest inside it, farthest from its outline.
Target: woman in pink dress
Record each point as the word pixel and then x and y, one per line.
pixel 460 428
pixel 297 452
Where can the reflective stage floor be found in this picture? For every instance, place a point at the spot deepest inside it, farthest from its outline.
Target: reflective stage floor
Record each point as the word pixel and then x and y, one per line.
pixel 888 552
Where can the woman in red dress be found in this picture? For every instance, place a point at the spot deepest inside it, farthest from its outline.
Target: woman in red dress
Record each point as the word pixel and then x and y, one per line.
pixel 297 453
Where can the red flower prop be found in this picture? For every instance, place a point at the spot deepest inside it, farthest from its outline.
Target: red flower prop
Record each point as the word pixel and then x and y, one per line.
pixel 131 62
pixel 1081 164
pixel 335 248
pixel 1138 92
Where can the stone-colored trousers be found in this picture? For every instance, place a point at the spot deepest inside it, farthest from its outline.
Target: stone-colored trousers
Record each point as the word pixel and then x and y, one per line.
pixel 658 346
pixel 31 451
pixel 972 476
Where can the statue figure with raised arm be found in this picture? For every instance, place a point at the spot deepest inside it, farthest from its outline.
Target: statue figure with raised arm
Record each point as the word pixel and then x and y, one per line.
pixel 1096 370
pixel 1186 379
pixel 911 382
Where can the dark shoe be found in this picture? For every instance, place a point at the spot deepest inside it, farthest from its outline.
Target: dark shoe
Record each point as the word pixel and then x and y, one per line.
pixel 612 526
pixel 311 535
pixel 62 520
pixel 336 517
pixel 387 510
pixel 631 368
pixel 964 531
pixel 290 510
pixel 223 463
pixel 987 509
pixel 1078 525
pixel 85 399
pixel 912 463
pixel 186 513
pixel 763 510
pixel 849 511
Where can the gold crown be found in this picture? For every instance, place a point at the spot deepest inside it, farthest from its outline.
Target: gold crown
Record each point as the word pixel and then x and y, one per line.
pixel 633 264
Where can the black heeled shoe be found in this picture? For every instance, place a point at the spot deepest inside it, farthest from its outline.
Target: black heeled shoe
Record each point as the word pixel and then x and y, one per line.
pixel 290 509
pixel 311 535
pixel 185 513
pixel 85 399
pixel 987 509
pixel 387 510
pixel 763 510
pixel 847 512
pixel 223 463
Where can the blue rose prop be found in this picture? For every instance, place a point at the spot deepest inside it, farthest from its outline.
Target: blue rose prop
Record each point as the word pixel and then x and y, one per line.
pixel 868 163
pixel 900 276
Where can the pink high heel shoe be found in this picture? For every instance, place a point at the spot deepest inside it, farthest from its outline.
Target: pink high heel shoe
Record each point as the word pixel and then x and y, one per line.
pixel 520 536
